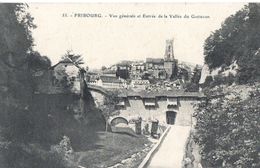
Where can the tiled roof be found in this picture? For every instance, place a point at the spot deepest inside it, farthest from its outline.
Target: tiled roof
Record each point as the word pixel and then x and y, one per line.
pixel 154 60
pixel 110 79
pixel 109 71
pixel 140 81
pixel 67 60
pixel 163 93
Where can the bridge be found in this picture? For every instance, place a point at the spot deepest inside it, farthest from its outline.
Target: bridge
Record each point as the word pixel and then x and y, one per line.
pixel 98 89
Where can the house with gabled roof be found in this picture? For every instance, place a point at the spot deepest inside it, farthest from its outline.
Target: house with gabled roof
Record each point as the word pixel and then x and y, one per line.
pixel 65 76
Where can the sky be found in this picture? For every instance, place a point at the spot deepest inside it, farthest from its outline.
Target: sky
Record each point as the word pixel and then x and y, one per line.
pixel 104 41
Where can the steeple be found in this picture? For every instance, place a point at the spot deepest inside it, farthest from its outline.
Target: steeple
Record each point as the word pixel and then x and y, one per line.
pixel 169 56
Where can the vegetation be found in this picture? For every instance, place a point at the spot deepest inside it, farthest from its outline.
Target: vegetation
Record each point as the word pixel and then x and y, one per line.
pixel 193 85
pixel 75 58
pixel 227 130
pixel 238 39
pixel 25 135
pixel 109 107
pixel 113 148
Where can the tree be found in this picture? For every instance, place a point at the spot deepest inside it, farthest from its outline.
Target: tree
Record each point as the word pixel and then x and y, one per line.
pixel 37 62
pixel 193 85
pixel 196 75
pixel 109 107
pixel 227 130
pixel 225 45
pixel 103 68
pixel 75 58
pixel 15 44
pixel 18 120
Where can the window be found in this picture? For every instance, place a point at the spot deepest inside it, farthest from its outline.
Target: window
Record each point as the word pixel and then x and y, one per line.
pixel 172 102
pixel 149 102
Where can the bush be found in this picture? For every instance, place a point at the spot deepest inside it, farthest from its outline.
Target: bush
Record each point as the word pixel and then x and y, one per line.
pixel 228 132
pixel 21 156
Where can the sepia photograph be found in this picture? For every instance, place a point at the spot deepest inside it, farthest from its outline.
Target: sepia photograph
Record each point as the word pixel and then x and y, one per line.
pixel 130 85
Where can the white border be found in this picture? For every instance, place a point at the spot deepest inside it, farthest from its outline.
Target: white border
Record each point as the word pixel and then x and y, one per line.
pixel 128 1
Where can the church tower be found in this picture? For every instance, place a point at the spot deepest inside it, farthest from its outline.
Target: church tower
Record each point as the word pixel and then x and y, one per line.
pixel 170 64
pixel 169 56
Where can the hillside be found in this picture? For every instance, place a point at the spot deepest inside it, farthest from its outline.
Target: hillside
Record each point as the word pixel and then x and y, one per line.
pixel 227 124
pixel 236 42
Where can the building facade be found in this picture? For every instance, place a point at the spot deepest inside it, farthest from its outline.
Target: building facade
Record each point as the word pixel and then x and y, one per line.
pixel 163 68
pixel 168 107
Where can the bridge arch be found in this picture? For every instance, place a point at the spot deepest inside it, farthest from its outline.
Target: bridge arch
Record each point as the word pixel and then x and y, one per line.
pixel 117 120
pixel 98 89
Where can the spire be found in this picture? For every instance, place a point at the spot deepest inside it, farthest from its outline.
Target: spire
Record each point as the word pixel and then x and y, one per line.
pixel 169 56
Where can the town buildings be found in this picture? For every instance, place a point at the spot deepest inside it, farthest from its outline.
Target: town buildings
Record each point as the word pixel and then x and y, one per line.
pixel 158 68
pixel 138 73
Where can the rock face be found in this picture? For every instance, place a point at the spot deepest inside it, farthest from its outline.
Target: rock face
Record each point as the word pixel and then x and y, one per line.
pixel 204 73
pixel 224 71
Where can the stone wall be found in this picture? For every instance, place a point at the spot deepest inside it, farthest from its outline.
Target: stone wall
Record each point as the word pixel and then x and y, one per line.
pixel 135 107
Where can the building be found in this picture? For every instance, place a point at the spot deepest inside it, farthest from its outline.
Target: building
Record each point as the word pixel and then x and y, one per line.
pixel 168 107
pixel 123 70
pixel 163 68
pixel 109 72
pixel 137 70
pixel 110 82
pixel 140 84
pixel 170 64
pixel 155 67
pixel 65 76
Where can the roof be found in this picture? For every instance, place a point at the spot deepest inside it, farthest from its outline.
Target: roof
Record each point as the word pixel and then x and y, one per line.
pixel 67 60
pixel 155 60
pixel 110 79
pixel 109 71
pixel 123 64
pixel 140 81
pixel 92 79
pixel 162 93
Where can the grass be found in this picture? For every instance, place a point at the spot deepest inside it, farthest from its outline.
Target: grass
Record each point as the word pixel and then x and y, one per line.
pixel 110 149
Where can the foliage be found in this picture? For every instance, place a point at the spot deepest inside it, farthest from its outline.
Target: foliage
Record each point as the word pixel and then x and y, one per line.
pixel 237 39
pixel 193 85
pixel 64 149
pixel 37 62
pixel 103 68
pixel 182 74
pixel 220 80
pixel 75 58
pixel 15 43
pixel 109 107
pixel 227 130
pixel 20 125
pixel 109 104
pixel 20 156
pixel 15 28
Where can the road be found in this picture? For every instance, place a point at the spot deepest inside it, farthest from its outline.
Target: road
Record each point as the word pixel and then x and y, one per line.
pixel 171 151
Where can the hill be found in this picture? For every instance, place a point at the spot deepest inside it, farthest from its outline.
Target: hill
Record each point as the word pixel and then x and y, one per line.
pixel 237 42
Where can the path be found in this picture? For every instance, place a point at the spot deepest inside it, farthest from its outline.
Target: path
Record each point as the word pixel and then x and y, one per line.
pixel 171 151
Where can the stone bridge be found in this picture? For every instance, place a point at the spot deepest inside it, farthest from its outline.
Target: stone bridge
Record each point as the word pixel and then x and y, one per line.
pixel 98 93
pixel 98 89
